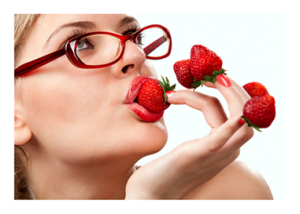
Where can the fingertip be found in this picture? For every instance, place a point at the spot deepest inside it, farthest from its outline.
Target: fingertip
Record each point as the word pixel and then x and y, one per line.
pixel 224 80
pixel 179 96
pixel 237 119
pixel 171 98
pixel 242 122
pixel 210 85
pixel 233 124
pixel 170 93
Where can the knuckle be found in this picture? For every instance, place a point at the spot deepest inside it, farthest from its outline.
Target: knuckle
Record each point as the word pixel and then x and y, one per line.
pixel 186 159
pixel 213 101
pixel 236 154
pixel 248 133
pixel 232 157
pixel 212 146
pixel 183 152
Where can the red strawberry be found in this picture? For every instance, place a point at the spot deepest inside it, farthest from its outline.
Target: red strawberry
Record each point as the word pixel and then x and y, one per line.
pixel 152 95
pixel 183 73
pixel 205 65
pixel 255 89
pixel 259 112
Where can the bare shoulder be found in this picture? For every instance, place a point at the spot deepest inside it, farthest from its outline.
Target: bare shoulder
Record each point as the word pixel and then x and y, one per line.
pixel 237 181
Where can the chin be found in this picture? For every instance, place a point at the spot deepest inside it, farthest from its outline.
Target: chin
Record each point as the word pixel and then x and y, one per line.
pixel 155 136
pixel 143 138
pixel 129 140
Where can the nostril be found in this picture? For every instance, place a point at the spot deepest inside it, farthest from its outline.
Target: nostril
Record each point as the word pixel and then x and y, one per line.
pixel 124 69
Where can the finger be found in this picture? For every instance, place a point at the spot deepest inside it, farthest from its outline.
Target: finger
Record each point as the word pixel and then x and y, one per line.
pixel 239 138
pixel 240 90
pixel 235 96
pixel 244 95
pixel 212 143
pixel 217 139
pixel 210 85
pixel 211 107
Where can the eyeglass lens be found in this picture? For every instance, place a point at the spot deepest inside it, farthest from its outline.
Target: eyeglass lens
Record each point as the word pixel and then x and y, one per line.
pixel 101 49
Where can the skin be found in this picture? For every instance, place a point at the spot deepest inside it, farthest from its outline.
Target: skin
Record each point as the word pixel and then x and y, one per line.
pixel 82 141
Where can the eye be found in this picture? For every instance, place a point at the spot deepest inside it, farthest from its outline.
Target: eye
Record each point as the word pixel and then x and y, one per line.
pixel 84 44
pixel 74 33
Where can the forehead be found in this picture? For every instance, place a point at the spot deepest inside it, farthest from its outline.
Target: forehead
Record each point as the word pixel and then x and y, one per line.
pixel 103 21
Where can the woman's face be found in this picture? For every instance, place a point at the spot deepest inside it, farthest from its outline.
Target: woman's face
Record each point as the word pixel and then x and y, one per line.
pixel 79 115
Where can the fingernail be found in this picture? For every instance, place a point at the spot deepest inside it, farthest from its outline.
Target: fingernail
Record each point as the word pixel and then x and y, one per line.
pixel 170 93
pixel 242 122
pixel 223 80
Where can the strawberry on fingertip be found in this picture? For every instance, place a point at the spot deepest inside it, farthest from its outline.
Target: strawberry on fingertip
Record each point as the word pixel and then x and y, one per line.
pixel 259 112
pixel 182 70
pixel 203 66
pixel 255 89
pixel 206 65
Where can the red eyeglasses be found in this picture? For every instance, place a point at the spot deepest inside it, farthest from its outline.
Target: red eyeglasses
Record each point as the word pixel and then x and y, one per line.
pixel 100 49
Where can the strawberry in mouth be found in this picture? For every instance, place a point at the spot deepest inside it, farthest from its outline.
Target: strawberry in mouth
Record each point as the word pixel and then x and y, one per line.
pixel 152 95
pixel 146 97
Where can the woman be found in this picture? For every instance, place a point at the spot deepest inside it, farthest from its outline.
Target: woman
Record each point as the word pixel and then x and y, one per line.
pixel 82 137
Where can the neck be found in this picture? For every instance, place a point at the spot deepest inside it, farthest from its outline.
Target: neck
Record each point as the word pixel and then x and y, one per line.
pixel 55 180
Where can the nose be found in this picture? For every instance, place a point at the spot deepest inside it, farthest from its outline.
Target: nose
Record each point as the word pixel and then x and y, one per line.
pixel 131 62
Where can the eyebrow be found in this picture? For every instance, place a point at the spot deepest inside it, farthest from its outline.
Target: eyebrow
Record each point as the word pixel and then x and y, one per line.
pixel 89 25
pixel 82 24
pixel 127 20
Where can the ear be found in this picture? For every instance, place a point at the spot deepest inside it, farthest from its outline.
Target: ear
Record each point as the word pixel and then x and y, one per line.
pixel 22 131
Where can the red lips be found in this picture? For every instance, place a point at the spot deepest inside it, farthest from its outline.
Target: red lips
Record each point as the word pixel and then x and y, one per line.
pixel 139 110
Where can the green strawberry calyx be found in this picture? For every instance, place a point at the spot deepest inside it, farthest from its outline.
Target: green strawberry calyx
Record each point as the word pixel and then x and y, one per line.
pixel 250 124
pixel 212 78
pixel 165 83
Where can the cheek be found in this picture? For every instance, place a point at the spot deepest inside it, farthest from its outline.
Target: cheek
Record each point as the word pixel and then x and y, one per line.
pixel 61 101
pixel 66 113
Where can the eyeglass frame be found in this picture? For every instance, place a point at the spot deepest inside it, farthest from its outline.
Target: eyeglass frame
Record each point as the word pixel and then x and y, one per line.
pixel 71 54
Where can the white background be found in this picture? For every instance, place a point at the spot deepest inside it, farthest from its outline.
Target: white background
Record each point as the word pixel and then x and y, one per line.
pixel 252 48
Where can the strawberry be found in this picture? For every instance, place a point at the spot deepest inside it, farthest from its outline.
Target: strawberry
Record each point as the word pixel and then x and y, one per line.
pixel 206 65
pixel 255 89
pixel 259 112
pixel 152 95
pixel 183 73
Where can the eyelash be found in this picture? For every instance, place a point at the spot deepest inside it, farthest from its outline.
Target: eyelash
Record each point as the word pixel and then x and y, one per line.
pixel 132 28
pixel 75 33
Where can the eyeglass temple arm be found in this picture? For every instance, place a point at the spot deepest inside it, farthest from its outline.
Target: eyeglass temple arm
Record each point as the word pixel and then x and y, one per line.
pixel 154 45
pixel 30 66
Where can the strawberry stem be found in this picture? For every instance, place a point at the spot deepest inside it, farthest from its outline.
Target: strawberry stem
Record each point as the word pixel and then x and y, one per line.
pixel 250 124
pixel 198 83
pixel 165 83
pixel 212 79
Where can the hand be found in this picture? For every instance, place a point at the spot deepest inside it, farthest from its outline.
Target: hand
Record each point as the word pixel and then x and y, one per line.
pixel 193 163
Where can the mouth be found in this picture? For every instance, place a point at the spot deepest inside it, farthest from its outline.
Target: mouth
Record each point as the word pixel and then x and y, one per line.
pixel 132 93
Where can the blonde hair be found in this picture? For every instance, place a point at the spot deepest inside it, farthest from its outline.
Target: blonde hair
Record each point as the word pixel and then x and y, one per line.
pixel 23 25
